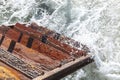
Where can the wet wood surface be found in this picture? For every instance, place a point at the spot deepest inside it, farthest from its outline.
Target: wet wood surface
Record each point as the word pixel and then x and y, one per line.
pixel 46 55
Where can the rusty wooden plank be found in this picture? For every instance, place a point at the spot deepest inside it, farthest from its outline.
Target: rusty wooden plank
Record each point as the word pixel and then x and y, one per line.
pixel 38 59
pixel 53 42
pixel 56 44
pixel 40 47
pixel 62 38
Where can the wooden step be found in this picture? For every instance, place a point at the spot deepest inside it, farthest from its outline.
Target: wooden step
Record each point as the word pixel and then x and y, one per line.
pixel 39 46
pixel 51 41
pixel 32 56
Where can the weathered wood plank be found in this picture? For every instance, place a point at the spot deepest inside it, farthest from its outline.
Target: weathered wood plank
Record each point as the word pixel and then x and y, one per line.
pixel 39 53
pixel 66 69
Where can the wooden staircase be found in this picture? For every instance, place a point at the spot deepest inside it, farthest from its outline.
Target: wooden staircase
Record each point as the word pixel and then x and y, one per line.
pixel 37 53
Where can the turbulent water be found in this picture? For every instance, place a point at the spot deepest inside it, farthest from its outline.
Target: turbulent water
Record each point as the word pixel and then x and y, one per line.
pixel 94 23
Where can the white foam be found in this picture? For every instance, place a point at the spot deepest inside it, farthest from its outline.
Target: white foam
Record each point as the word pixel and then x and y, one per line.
pixel 94 23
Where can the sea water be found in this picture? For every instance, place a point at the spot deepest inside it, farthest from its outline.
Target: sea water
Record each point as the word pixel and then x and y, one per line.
pixel 95 23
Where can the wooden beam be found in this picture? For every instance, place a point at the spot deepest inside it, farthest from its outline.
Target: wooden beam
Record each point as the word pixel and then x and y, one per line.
pixel 66 69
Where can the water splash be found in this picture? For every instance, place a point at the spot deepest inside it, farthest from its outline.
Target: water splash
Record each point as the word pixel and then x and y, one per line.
pixel 92 22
